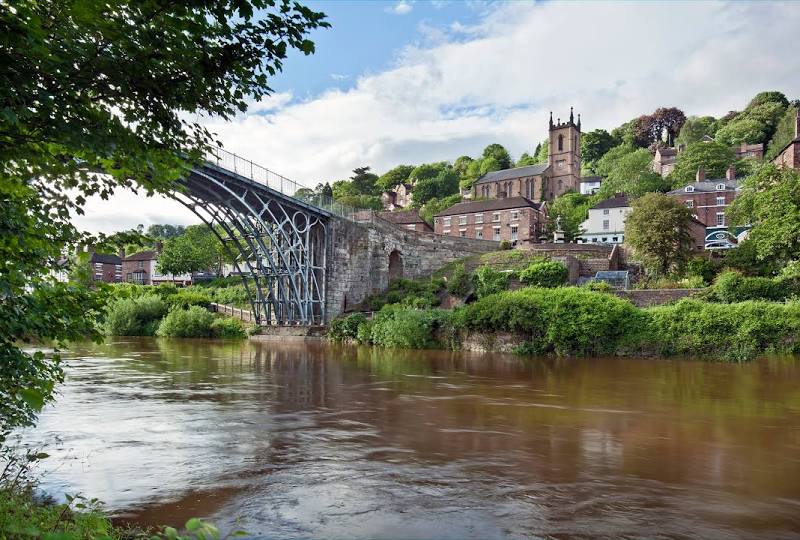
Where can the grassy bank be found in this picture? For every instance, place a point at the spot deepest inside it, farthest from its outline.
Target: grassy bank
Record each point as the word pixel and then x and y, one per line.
pixel 580 321
pixel 166 311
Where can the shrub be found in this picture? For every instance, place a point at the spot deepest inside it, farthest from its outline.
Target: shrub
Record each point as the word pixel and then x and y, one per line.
pixel 734 287
pixel 228 327
pixel 459 284
pixel 401 289
pixel 735 331
pixel 193 322
pixel 134 316
pixel 406 328
pixel 232 295
pixel 565 320
pixel 544 274
pixel 165 289
pixel 703 268
pixel 185 298
pixel 488 281
pixel 598 286
pixel 346 327
pixel 692 282
pixel 505 245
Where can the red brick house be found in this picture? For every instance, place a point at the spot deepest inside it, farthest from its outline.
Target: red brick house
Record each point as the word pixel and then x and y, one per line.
pixel 140 267
pixel 105 267
pixel 790 155
pixel 709 199
pixel 407 219
pixel 516 219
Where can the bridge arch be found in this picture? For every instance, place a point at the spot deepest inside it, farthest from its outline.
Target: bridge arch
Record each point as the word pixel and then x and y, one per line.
pixel 395 265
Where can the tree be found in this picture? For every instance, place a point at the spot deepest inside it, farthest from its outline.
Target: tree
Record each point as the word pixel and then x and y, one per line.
pixel 713 157
pixel 526 159
pixel 472 173
pixel 668 120
pixel 542 150
pixel 393 177
pixel 499 154
pixel 101 86
pixel 179 256
pixel 629 171
pixel 363 182
pixel 658 231
pixel 573 208
pixel 770 96
pixel 770 201
pixel 165 231
pixel 695 128
pixel 427 171
pixel 324 190
pixel 443 185
pixel 594 145
pixel 784 133
pixel 461 163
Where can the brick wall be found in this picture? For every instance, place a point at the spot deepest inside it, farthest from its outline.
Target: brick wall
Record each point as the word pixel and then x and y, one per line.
pixel 528 223
pixel 655 297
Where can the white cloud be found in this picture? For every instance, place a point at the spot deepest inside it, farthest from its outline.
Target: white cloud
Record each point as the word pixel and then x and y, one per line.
pixel 338 76
pixel 400 8
pixel 498 80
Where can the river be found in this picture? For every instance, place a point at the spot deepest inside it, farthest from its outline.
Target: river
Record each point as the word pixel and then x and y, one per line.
pixel 319 441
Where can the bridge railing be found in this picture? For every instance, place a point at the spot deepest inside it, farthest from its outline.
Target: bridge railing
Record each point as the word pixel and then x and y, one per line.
pixel 245 167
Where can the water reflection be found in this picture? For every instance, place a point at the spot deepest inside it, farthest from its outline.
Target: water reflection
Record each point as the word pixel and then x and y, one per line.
pixel 314 441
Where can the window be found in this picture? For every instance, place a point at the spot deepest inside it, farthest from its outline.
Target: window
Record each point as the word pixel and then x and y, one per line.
pixel 478 218
pixel 605 225
pixel 141 265
pixel 462 220
pixel 689 204
pixel 496 216
pixel 561 164
pixel 446 222
pixel 720 201
pixel 615 238
pixel 411 227
pixel 446 231
pixel 720 219
pixel 514 232
pixel 594 240
pixel 462 233
pixel 496 234
pixel 514 215
pixel 605 211
pixel 720 187
pixel 605 239
pixel 689 189
pixel 560 143
pixel 479 233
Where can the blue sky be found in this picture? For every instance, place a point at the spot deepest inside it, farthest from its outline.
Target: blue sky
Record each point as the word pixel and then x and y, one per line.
pixel 365 37
pixel 413 83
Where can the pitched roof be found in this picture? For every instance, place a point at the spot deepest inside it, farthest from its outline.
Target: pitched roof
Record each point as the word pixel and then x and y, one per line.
pixel 147 255
pixel 666 151
pixel 593 178
pixel 405 217
pixel 510 174
pixel 489 205
pixel 617 201
pixel 105 258
pixel 707 186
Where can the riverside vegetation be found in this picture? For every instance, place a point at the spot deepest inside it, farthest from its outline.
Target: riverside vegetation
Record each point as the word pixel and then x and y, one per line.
pixel 736 318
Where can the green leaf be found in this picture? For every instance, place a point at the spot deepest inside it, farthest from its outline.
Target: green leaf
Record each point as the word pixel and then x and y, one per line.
pixel 193 524
pixel 33 398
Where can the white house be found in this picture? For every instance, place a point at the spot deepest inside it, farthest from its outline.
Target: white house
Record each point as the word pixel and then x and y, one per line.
pixel 606 223
pixel 590 184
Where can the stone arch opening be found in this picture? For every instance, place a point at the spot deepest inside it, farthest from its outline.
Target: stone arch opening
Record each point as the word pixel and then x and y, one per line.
pixel 395 265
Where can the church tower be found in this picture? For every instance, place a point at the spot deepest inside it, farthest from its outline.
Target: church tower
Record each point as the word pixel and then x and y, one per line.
pixel 564 157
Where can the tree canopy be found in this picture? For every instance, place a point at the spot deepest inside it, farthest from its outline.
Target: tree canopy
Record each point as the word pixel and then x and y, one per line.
pixel 394 177
pixel 499 154
pixel 770 201
pixel 695 128
pixel 713 157
pixel 594 145
pixel 658 231
pixel 628 170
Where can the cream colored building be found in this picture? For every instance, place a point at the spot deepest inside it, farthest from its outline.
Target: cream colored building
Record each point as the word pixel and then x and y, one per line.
pixel 606 223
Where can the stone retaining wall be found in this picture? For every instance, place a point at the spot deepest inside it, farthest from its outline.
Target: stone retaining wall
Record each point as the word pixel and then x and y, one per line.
pixel 655 297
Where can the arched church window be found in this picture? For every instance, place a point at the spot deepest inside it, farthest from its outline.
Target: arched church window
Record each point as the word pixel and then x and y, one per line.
pixel 560 143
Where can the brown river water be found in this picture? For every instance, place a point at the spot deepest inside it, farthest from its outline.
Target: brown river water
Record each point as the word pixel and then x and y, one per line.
pixel 317 441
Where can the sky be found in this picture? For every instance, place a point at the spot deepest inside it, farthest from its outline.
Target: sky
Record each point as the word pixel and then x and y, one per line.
pixel 409 82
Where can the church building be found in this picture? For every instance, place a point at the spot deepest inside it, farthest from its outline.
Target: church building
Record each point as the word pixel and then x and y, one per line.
pixel 543 181
pixel 517 198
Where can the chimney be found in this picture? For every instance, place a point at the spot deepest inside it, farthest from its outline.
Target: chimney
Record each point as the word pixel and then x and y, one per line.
pixel 701 174
pixel 730 174
pixel 121 253
pixel 797 125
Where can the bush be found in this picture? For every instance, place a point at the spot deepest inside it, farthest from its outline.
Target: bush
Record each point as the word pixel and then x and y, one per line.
pixel 420 292
pixel 346 327
pixel 165 289
pixel 185 298
pixel 598 286
pixel 193 322
pixel 489 281
pixel 565 320
pixel 459 284
pixel 134 316
pixel 692 282
pixel 231 295
pixel 733 287
pixel 703 268
pixel 505 245
pixel 544 274
pixel 228 327
pixel 735 331
pixel 406 328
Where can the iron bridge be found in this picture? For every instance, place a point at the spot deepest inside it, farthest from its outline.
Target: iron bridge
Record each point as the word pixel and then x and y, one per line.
pixel 274 230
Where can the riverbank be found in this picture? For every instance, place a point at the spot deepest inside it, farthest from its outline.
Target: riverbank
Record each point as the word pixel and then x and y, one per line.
pixel 576 321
